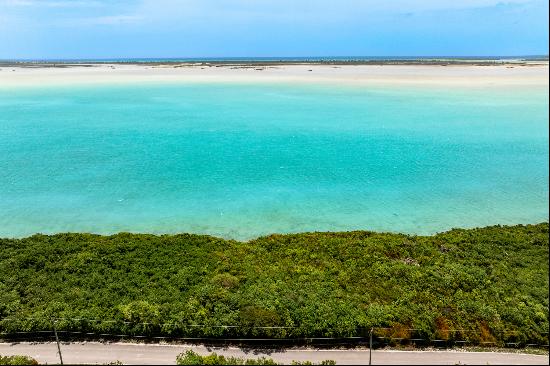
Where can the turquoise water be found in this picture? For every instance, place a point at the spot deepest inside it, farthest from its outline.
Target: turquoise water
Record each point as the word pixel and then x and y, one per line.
pixel 243 160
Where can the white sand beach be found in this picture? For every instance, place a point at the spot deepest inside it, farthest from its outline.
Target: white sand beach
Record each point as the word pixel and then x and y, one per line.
pixel 535 74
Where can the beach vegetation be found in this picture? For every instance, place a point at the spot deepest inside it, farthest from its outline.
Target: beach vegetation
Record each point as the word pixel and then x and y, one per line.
pixel 480 285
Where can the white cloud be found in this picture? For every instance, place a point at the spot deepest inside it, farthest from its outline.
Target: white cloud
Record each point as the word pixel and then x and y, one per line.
pixel 160 10
pixel 50 3
pixel 430 5
pixel 190 13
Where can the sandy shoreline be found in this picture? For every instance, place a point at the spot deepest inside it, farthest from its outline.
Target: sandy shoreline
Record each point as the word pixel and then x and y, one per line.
pixel 422 75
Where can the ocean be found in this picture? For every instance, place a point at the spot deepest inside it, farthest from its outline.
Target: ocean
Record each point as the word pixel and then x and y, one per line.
pixel 241 160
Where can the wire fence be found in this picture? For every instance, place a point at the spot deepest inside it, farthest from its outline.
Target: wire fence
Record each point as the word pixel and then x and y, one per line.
pixel 74 329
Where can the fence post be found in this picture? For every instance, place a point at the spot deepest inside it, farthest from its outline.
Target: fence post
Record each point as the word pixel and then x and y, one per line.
pixel 370 347
pixel 57 340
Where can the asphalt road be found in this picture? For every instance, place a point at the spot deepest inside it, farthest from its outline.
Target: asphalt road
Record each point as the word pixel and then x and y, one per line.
pixel 129 353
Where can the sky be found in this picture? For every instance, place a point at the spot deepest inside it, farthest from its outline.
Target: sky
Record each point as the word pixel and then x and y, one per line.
pixel 94 29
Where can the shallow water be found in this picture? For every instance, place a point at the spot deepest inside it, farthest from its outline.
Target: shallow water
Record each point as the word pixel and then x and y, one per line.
pixel 243 160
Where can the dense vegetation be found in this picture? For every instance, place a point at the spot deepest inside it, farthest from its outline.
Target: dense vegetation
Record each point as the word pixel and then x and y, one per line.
pixel 488 284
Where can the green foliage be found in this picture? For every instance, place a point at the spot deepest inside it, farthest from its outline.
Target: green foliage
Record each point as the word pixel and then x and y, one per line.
pixel 17 360
pixel 482 281
pixel 192 358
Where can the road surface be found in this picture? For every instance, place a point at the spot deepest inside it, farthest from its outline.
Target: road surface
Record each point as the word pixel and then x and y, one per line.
pixel 134 353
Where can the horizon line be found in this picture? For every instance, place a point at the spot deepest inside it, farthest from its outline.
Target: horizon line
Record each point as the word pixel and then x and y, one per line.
pixel 351 57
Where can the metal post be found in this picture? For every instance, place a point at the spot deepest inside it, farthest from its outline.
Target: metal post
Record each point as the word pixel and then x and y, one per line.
pixel 370 348
pixel 57 340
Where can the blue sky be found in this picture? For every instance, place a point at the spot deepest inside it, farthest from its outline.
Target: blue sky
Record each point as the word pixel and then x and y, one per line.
pixel 268 28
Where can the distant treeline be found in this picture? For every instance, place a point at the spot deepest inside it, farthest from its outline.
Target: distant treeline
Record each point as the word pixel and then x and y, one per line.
pixel 488 284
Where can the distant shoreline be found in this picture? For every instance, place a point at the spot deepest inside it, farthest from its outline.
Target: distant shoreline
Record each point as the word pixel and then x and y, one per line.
pixel 277 62
pixel 434 73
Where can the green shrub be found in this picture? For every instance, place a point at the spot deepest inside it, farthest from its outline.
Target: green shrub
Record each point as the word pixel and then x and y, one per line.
pixel 192 358
pixel 17 360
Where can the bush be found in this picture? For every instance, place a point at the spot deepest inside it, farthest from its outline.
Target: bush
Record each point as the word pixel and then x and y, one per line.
pixel 17 360
pixel 192 358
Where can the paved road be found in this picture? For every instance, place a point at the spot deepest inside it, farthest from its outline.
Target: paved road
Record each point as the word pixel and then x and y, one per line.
pixel 128 353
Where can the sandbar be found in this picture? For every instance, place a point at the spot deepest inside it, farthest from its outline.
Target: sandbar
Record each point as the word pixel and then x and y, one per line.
pixel 423 75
